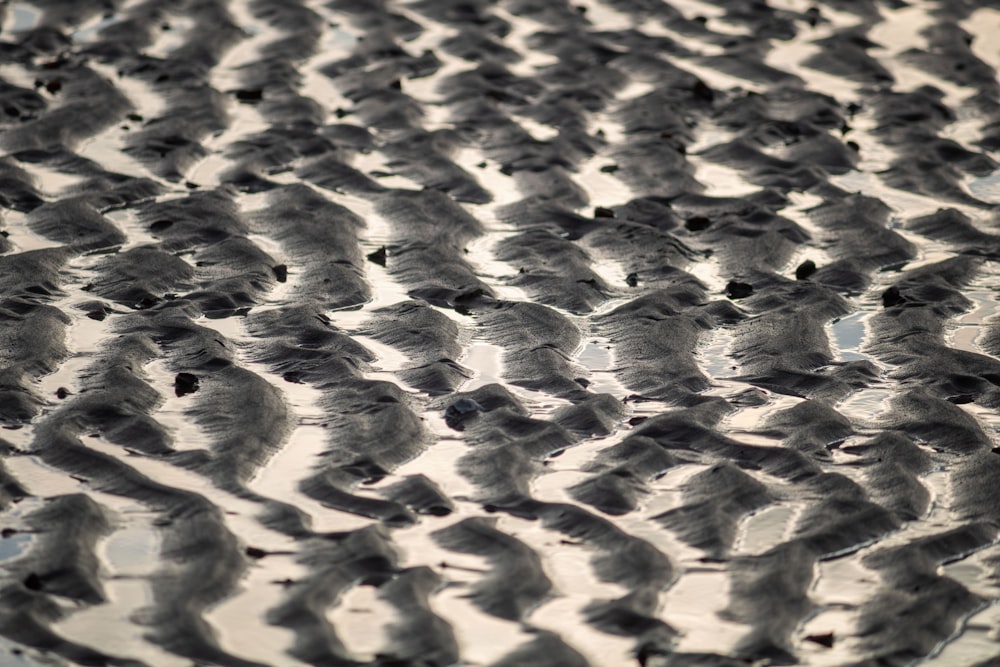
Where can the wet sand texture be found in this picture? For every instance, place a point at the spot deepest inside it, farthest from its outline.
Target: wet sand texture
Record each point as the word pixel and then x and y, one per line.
pixel 507 333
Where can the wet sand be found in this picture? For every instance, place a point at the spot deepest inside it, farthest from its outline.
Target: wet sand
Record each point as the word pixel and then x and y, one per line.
pixel 499 333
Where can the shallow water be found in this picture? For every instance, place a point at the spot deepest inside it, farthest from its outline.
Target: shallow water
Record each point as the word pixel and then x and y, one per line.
pixel 268 491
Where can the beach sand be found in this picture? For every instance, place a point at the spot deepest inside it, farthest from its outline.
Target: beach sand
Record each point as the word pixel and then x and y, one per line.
pixel 513 333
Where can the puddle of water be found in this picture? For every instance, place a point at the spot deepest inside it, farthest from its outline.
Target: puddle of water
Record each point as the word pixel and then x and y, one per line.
pixel 869 184
pixel 482 638
pixel 554 486
pixel 667 489
pixel 977 642
pixel 23 17
pixel 361 620
pixel 240 619
pixel 494 271
pixel 89 31
pixel 713 355
pixel 484 359
pixel 692 606
pixel 34 474
pixel 722 181
pixel 108 627
pixel 848 334
pixel 132 550
pixel 439 462
pixel 598 358
pixel 764 529
pixel 16 655
pixel 747 419
pixel 986 187
pixel 13 546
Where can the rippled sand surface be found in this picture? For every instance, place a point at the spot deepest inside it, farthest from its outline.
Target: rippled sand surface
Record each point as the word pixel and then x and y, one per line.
pixel 514 333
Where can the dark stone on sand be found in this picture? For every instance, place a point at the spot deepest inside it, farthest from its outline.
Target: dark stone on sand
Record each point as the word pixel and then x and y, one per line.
pixel 738 290
pixel 33 582
pixel 249 95
pixel 892 297
pixel 697 223
pixel 805 270
pixel 460 411
pixel 185 383
pixel 825 640
pixel 378 257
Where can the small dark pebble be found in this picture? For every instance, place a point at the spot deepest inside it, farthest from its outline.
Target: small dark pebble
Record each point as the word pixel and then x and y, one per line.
pixel 609 168
pixel 601 212
pixel 249 95
pixel 62 392
pixel 892 297
pixel 738 290
pixel 632 280
pixel 191 186
pixel 697 223
pixel 961 399
pixel 635 421
pixel 280 272
pixel 702 91
pixel 146 302
pixel 53 86
pixel 161 226
pixel 8 532
pixel 134 117
pixel 459 411
pixel 376 580
pixel 823 640
pixel 438 510
pixel 583 382
pixel 254 552
pixel 805 269
pixel 185 383
pixel 378 257
pixel 33 582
